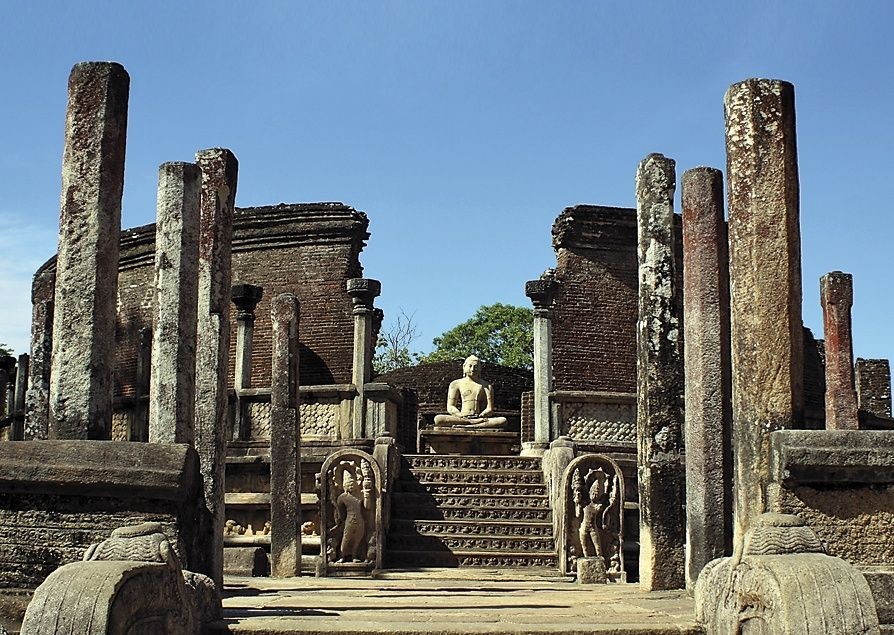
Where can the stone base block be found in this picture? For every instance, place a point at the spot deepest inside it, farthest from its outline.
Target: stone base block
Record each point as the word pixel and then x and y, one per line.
pixel 591 571
pixel 249 562
pixel 534 448
pixel 347 570
pixel 460 441
pixel 881 583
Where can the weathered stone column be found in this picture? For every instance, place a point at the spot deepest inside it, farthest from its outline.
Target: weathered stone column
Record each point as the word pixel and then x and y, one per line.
pixel 707 371
pixel 285 441
pixel 659 372
pixel 874 386
pixel 139 416
pixel 37 401
pixel 767 342
pixel 172 391
pixel 364 292
pixel 837 298
pixel 87 262
pixel 17 433
pixel 246 298
pixel 219 172
pixel 541 293
pixel 7 379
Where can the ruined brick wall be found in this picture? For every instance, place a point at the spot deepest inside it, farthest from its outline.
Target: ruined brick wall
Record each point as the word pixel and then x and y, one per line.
pixel 594 319
pixel 873 379
pixel 306 249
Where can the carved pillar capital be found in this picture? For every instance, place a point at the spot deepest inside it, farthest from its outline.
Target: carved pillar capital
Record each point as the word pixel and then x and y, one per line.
pixel 246 298
pixel 363 291
pixel 542 292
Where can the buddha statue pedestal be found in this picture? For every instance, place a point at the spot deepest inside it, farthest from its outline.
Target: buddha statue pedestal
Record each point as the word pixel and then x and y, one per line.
pixel 468 441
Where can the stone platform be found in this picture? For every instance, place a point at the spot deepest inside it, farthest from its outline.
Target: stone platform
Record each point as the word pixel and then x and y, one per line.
pixel 468 441
pixel 451 601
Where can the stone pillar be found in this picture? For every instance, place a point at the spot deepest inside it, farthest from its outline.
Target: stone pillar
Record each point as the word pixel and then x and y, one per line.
pixel 837 298
pixel 364 292
pixel 172 389
pixel 9 395
pixel 219 172
pixel 707 370
pixel 767 342
pixel 285 441
pixel 87 262
pixel 246 298
pixel 37 401
pixel 874 386
pixel 18 409
pixel 659 372
pixel 139 417
pixel 541 293
pixel 7 379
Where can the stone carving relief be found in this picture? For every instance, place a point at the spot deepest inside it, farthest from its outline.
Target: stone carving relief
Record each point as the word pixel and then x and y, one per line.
pixel 351 524
pixel 128 584
pixel 603 421
pixel 591 518
pixel 317 419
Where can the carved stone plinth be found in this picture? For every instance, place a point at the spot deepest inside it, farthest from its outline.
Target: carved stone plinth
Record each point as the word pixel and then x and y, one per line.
pixel 459 441
pixel 591 571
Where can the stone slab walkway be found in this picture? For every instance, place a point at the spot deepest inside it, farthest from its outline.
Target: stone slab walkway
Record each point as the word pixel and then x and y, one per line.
pixel 450 602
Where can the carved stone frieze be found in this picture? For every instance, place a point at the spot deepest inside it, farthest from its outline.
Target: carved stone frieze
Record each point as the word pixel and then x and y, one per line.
pixel 602 421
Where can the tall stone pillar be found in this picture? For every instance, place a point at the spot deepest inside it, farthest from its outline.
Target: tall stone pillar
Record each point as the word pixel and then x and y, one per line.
pixel 707 370
pixel 659 372
pixel 87 262
pixel 139 417
pixel 363 291
pixel 837 298
pixel 246 298
pixel 17 433
pixel 7 379
pixel 541 293
pixel 767 341
pixel 285 441
pixel 219 172
pixel 874 386
pixel 172 392
pixel 37 400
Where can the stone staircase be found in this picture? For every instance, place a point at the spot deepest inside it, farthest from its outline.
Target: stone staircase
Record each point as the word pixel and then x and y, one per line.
pixel 464 510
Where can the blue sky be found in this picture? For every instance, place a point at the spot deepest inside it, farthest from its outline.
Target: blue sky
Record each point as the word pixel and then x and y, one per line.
pixel 461 128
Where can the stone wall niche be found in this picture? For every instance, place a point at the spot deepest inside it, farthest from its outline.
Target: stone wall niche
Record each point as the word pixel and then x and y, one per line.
pixel 590 528
pixel 351 525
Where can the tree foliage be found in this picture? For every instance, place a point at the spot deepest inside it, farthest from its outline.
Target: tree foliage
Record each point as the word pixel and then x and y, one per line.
pixel 5 350
pixel 393 344
pixel 499 334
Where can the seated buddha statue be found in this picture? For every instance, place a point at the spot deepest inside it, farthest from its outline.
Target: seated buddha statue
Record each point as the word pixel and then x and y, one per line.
pixel 470 401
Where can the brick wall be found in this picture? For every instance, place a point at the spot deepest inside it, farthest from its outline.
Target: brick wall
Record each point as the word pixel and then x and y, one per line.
pixel 307 249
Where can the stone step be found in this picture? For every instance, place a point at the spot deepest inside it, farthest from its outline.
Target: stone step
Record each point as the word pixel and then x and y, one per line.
pixel 507 544
pixel 472 489
pixel 468 558
pixel 438 475
pixel 542 529
pixel 414 500
pixel 472 462
pixel 462 512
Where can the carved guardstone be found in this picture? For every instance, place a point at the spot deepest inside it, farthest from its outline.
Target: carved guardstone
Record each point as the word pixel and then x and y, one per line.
pixel 591 520
pixel 351 524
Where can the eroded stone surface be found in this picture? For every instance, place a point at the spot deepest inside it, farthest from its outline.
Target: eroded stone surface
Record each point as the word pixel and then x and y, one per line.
pixel 837 298
pixel 219 173
pixel 873 383
pixel 708 382
pixel 285 441
pixel 87 261
pixel 765 280
pixel 659 382
pixel 173 369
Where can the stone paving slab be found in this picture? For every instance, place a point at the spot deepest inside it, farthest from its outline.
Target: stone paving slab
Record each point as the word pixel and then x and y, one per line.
pixel 450 602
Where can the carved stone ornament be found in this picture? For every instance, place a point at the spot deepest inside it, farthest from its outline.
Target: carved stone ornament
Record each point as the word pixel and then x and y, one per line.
pixel 351 527
pixel 591 520
pixel 129 584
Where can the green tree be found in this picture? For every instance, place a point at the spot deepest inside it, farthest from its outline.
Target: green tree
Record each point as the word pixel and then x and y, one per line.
pixel 393 345
pixel 499 334
pixel 5 350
